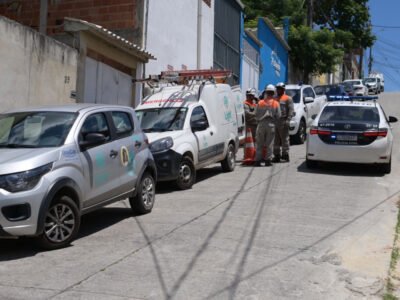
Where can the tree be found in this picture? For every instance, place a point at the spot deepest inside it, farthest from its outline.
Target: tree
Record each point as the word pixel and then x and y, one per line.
pixel 340 27
pixel 351 16
pixel 313 52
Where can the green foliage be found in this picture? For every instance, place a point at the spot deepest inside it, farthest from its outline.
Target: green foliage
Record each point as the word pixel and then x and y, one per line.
pixel 340 27
pixel 313 52
pixel 351 16
pixel 274 10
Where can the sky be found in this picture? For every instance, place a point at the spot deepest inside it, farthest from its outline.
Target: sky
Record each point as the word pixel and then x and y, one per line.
pixel 385 19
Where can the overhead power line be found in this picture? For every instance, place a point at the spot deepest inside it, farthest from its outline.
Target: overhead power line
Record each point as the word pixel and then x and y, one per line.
pixel 386 26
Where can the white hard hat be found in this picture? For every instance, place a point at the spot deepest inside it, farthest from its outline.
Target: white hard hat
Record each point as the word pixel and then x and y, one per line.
pixel 270 88
pixel 248 92
pixel 280 85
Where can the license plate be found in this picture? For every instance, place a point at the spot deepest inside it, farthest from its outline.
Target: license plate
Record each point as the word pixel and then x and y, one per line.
pixel 346 137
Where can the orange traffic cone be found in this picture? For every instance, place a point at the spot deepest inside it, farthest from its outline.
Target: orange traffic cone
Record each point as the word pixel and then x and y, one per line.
pixel 249 149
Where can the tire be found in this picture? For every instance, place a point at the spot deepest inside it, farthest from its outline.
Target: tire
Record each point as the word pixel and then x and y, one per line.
pixel 187 174
pixel 143 201
pixel 311 164
pixel 61 225
pixel 300 136
pixel 229 162
pixel 387 168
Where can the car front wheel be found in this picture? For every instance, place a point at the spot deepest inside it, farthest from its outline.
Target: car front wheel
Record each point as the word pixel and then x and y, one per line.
pixel 187 174
pixel 61 224
pixel 143 202
pixel 300 136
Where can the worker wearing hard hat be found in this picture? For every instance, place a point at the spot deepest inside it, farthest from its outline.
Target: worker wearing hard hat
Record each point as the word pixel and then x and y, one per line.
pixel 281 144
pixel 267 114
pixel 249 111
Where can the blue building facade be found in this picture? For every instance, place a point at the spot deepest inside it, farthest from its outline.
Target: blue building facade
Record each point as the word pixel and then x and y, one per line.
pixel 274 54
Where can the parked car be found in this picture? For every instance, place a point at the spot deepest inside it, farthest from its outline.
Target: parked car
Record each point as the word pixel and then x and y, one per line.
pixel 381 79
pixel 60 162
pixel 306 104
pixel 373 85
pixel 348 88
pixel 351 132
pixel 330 90
pixel 190 127
pixel 359 88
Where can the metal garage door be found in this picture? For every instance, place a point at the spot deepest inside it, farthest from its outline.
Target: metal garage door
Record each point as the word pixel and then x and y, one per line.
pixel 106 85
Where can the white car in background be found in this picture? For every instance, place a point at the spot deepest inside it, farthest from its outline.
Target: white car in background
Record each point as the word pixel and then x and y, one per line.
pixel 359 88
pixel 351 131
pixel 306 105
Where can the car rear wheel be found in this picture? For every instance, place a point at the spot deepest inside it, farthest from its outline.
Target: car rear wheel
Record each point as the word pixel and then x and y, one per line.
pixel 387 168
pixel 143 202
pixel 187 174
pixel 300 136
pixel 61 224
pixel 229 162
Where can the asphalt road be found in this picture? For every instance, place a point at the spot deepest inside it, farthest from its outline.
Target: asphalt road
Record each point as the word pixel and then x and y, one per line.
pixel 282 232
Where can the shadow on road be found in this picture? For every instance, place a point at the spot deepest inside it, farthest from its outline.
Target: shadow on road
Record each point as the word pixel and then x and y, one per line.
pixel 13 249
pixel 201 175
pixel 342 169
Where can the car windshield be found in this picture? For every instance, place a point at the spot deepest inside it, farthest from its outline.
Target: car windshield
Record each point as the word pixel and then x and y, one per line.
pixel 321 89
pixel 162 119
pixel 370 80
pixel 35 129
pixel 295 94
pixel 349 114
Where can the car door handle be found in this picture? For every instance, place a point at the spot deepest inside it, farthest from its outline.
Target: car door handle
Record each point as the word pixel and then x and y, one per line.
pixel 113 153
pixel 138 144
pixel 211 133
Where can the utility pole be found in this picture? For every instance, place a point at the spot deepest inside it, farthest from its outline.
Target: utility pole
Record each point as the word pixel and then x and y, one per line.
pixel 370 61
pixel 43 16
pixel 310 13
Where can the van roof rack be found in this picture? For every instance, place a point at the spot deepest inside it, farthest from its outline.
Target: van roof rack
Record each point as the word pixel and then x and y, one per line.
pixel 352 98
pixel 187 76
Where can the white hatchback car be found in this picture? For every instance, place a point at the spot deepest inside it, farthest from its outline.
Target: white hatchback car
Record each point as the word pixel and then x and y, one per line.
pixel 351 131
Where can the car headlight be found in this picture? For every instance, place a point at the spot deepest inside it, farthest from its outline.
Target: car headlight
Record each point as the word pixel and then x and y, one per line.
pixel 161 144
pixel 23 181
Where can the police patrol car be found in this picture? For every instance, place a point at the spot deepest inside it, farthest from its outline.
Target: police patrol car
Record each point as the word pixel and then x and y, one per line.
pixel 351 130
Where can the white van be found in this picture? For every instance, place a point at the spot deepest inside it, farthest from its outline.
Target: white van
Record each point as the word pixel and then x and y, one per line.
pixel 190 127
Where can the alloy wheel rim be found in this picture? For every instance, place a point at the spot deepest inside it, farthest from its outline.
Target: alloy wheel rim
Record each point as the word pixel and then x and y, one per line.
pixel 59 223
pixel 231 158
pixel 148 192
pixel 185 173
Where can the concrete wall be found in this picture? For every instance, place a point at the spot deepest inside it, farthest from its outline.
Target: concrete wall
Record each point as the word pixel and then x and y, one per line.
pixel 34 69
pixel 172 34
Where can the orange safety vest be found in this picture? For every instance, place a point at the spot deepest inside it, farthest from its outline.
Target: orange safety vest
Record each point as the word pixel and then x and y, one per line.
pixel 251 104
pixel 284 97
pixel 268 102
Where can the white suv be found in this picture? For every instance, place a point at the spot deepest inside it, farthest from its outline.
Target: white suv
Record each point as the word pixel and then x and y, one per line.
pixel 306 105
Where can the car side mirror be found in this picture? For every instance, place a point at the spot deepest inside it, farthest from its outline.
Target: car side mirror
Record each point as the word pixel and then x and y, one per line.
pixel 314 117
pixel 392 119
pixel 92 140
pixel 199 125
pixel 308 100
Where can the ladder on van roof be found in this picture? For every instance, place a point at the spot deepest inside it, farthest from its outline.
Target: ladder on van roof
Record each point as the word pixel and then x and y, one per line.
pixel 185 77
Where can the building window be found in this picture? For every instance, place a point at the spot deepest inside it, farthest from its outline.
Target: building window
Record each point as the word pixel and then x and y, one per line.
pixel 208 2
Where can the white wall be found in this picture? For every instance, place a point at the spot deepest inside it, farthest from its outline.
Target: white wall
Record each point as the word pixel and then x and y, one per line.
pixel 34 69
pixel 172 34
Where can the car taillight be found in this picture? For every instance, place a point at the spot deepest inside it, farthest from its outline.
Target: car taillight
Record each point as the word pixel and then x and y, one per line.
pixel 375 133
pixel 315 130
